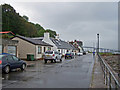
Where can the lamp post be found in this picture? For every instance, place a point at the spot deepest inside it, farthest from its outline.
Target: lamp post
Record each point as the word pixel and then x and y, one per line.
pixel 98 43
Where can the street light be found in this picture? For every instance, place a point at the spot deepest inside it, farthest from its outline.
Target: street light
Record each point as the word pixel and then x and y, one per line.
pixel 98 44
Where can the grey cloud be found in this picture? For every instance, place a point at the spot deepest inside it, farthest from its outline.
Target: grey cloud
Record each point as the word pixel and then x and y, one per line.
pixel 77 20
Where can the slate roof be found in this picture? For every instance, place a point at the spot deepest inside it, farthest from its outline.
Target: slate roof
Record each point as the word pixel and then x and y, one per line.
pixel 59 43
pixel 8 42
pixel 34 41
pixel 74 48
pixel 79 43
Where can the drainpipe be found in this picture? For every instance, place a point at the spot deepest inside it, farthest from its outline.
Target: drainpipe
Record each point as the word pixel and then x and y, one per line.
pixel 35 52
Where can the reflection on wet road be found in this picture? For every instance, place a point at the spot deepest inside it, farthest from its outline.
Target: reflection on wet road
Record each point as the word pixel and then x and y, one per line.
pixel 75 73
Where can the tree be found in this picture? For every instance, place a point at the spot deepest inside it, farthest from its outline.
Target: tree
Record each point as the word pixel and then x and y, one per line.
pixel 52 33
pixel 41 33
pixel 12 21
pixel 25 17
pixel 39 27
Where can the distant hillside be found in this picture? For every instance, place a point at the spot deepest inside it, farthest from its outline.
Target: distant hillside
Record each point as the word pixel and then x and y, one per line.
pixel 12 21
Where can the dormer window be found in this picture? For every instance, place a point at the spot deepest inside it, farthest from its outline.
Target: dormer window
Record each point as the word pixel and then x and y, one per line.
pixel 58 43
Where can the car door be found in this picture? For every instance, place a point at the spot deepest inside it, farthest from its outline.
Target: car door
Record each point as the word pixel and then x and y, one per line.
pixel 4 61
pixel 11 62
pixel 17 62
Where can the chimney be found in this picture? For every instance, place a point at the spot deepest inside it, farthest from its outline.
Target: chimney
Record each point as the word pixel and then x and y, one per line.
pixel 46 35
pixel 75 41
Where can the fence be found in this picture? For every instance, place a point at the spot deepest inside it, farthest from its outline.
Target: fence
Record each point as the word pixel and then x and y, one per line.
pixel 109 78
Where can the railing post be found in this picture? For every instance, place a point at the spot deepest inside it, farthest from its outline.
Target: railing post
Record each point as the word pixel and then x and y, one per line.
pixel 116 86
pixel 109 80
pixel 108 75
pixel 104 74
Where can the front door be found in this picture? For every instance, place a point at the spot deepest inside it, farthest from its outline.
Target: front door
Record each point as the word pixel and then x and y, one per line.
pixel 44 49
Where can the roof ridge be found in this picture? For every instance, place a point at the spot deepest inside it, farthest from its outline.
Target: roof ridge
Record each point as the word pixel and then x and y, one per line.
pixel 33 41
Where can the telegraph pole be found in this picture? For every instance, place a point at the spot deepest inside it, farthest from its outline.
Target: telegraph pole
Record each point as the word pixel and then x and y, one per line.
pixel 98 43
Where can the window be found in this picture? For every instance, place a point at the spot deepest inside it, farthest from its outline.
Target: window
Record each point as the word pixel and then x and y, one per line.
pixel 15 58
pixel 58 42
pixel 10 59
pixel 49 48
pixel 1 56
pixel 56 52
pixel 39 49
pixel 49 52
pixel 4 59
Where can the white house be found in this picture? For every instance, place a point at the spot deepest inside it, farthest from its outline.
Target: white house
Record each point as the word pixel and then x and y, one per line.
pixel 57 43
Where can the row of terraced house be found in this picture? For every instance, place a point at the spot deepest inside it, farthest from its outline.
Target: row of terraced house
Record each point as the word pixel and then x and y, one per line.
pixel 21 46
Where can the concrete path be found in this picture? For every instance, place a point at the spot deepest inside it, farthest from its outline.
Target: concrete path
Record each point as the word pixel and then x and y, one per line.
pixel 97 77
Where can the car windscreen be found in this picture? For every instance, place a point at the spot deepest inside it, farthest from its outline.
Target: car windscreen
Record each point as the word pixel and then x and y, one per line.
pixel 68 53
pixel 49 52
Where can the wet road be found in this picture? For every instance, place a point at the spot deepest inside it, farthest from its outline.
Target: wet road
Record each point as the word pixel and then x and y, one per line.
pixel 74 73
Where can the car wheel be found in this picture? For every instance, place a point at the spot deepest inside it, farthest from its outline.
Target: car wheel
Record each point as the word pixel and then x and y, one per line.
pixel 45 61
pixel 60 60
pixel 65 57
pixel 23 67
pixel 51 61
pixel 7 69
pixel 55 60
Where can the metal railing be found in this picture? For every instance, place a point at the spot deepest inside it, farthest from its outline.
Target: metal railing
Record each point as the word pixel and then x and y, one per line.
pixel 109 78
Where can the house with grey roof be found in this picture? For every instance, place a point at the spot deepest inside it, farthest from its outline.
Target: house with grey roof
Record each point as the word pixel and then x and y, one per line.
pixel 28 45
pixel 78 45
pixel 57 43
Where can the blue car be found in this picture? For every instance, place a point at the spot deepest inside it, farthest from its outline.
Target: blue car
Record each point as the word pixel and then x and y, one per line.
pixel 9 62
pixel 69 55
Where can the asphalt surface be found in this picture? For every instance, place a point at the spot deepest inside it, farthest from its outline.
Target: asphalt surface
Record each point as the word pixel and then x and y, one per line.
pixel 71 73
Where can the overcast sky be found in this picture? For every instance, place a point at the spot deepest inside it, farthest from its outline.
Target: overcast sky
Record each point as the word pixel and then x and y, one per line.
pixel 75 20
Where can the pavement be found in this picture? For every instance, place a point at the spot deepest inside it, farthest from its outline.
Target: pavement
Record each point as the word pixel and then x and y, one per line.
pixel 97 76
pixel 71 73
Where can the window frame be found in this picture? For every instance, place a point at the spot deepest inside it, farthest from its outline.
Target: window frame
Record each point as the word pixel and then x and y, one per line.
pixel 14 58
pixel 49 48
pixel 39 49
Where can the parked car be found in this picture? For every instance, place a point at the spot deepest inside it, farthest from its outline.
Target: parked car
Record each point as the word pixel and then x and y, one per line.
pixel 84 53
pixel 52 56
pixel 9 62
pixel 69 55
pixel 80 53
